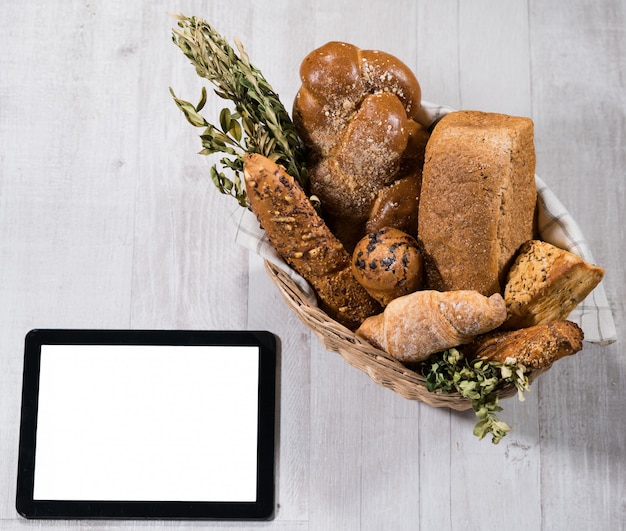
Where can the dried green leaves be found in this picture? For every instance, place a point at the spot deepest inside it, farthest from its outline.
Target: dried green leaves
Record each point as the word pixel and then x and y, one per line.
pixel 478 380
pixel 259 123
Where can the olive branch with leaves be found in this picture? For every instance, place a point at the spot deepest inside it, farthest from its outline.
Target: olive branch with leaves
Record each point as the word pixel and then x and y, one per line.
pixel 259 123
pixel 477 380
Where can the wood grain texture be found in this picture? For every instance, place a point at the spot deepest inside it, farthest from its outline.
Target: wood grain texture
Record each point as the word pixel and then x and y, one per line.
pixel 108 219
pixel 575 434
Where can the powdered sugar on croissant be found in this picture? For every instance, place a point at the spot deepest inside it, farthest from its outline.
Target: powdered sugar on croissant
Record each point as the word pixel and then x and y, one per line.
pixel 415 326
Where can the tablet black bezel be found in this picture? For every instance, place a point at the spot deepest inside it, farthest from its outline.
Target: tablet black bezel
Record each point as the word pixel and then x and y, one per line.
pixel 261 509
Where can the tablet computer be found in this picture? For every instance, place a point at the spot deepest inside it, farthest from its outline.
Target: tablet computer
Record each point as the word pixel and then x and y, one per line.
pixel 147 424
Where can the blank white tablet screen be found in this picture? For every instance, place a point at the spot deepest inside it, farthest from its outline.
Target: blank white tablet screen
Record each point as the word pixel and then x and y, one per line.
pixel 147 423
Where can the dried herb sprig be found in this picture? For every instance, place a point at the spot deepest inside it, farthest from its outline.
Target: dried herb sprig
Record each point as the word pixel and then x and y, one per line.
pixel 259 124
pixel 478 380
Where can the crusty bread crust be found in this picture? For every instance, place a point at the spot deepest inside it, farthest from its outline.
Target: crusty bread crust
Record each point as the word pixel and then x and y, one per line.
pixel 303 240
pixel 477 200
pixel 536 347
pixel 357 112
pixel 546 283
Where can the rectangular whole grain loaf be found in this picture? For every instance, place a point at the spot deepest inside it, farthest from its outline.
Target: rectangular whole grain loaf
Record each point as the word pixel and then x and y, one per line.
pixel 478 199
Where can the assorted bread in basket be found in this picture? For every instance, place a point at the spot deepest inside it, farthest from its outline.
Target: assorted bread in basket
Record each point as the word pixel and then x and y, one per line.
pixel 417 237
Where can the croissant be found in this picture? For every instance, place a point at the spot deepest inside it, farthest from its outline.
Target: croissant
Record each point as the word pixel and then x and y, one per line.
pixel 414 326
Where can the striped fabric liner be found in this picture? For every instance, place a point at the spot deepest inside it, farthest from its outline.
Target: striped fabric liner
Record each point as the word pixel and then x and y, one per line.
pixel 555 225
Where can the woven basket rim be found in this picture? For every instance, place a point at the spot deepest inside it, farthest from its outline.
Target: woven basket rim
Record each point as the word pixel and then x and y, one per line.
pixel 376 363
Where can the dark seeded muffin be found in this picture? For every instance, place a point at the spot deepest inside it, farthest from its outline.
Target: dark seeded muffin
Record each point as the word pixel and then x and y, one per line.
pixel 388 264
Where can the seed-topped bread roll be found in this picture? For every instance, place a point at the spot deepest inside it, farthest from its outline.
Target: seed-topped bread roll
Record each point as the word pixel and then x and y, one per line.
pixel 536 347
pixel 546 283
pixel 478 199
pixel 358 112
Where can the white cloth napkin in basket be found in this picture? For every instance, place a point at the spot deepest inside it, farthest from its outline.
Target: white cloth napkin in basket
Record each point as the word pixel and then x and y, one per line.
pixel 555 226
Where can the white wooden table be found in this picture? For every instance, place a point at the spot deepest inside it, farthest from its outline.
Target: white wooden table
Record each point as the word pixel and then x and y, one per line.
pixel 108 219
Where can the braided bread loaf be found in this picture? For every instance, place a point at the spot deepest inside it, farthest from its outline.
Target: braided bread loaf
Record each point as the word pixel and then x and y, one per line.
pixel 359 113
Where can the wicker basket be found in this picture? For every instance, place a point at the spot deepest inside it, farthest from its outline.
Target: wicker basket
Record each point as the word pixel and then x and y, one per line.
pixel 376 363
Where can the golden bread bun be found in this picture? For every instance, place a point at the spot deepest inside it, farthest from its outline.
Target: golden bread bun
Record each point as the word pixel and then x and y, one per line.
pixel 356 111
pixel 388 264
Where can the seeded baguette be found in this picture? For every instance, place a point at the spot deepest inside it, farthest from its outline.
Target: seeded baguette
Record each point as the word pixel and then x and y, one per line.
pixel 535 347
pixel 304 241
